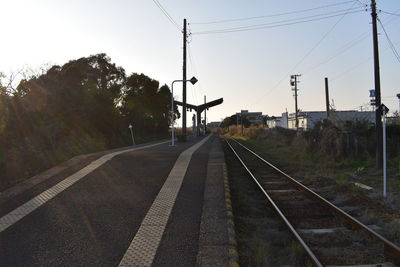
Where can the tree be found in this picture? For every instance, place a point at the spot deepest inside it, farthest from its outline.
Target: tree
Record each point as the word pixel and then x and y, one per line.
pixel 235 119
pixel 146 104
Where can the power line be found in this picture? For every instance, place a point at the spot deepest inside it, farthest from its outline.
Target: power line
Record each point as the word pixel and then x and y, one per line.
pixel 354 67
pixel 323 38
pixel 167 14
pixel 309 52
pixel 340 51
pixel 361 3
pixel 193 71
pixel 274 24
pixel 271 15
pixel 346 47
pixel 390 13
pixel 392 47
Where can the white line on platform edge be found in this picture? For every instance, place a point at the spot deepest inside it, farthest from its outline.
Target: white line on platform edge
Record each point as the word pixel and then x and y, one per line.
pixel 143 248
pixel 26 208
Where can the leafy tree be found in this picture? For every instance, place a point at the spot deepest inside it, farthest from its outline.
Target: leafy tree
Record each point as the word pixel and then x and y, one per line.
pixel 146 104
pixel 235 119
pixel 84 105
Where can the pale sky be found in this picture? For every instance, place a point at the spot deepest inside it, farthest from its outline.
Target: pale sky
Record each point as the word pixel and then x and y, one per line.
pixel 249 69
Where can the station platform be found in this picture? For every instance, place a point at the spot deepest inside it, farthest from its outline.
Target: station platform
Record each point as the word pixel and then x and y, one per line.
pixel 146 205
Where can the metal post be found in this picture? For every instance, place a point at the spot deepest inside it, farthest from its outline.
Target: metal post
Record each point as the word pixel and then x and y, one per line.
pixel 384 153
pixel 133 140
pixel 193 80
pixel 198 123
pixel 194 131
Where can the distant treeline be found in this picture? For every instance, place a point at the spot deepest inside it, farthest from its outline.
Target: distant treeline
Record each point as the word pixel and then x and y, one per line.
pixel 83 106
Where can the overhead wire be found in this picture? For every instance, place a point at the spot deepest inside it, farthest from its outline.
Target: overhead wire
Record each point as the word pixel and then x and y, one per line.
pixel 271 15
pixel 194 95
pixel 340 75
pixel 192 59
pixel 308 53
pixel 279 23
pixel 367 59
pixel 169 17
pixel 345 47
pixel 390 13
pixel 391 45
pixel 361 3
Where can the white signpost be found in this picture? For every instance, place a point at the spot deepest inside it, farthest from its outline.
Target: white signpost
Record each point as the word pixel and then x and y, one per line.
pixel 385 110
pixel 130 128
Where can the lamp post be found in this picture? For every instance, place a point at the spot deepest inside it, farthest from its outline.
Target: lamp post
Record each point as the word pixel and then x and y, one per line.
pixel 130 128
pixel 193 80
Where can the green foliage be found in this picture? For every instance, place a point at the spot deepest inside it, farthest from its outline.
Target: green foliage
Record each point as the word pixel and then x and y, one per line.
pixel 83 106
pixel 234 120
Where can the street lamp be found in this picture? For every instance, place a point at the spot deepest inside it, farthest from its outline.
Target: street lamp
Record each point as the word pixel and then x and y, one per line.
pixel 193 80
pixel 130 128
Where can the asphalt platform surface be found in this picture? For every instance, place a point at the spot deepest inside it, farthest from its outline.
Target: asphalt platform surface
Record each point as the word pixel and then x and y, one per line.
pixel 92 222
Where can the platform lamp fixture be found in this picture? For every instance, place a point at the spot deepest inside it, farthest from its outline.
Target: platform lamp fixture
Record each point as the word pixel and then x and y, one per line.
pixel 193 80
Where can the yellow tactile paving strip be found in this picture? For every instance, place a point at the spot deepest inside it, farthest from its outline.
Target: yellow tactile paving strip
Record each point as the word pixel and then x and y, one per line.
pixel 15 215
pixel 143 248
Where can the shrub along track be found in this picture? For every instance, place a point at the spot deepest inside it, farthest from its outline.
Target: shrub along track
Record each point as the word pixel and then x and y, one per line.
pixel 328 235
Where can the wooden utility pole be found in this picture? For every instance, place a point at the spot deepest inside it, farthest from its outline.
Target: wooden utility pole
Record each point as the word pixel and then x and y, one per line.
pixel 293 82
pixel 378 111
pixel 184 82
pixel 327 97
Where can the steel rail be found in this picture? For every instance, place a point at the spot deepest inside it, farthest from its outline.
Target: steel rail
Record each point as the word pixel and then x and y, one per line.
pixel 286 221
pixel 393 248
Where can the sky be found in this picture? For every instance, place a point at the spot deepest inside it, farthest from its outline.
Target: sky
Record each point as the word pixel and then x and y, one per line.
pixel 249 69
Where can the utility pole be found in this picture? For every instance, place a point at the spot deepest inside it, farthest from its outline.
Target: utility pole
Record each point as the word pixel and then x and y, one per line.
pixel 205 116
pixel 293 82
pixel 327 97
pixel 378 111
pixel 184 82
pixel 241 120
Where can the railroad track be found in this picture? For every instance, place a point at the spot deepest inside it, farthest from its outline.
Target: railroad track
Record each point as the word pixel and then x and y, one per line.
pixel 329 236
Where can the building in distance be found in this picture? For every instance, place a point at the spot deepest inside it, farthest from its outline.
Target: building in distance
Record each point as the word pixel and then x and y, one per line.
pixel 307 119
pixel 252 117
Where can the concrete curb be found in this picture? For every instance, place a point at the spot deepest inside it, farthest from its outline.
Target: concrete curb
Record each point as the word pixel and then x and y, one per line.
pixel 232 249
pixel 217 243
